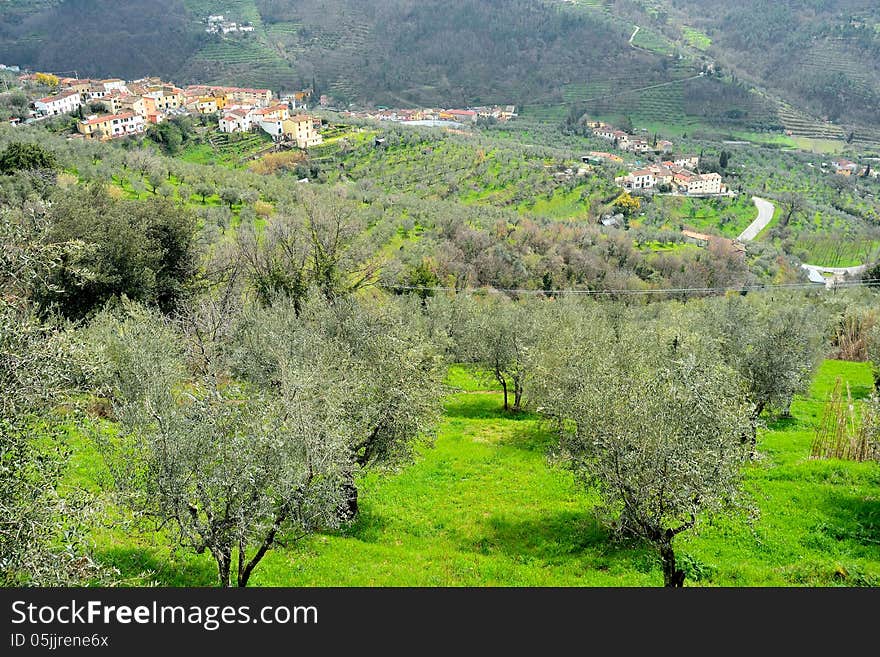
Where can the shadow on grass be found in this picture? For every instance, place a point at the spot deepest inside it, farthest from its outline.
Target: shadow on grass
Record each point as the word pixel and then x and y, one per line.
pixel 367 526
pixel 854 520
pixel 565 537
pixel 532 438
pixel 142 564
pixel 482 406
pixel 786 423
pixel 861 391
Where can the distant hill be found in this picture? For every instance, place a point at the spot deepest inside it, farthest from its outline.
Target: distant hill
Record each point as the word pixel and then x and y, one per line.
pixel 814 57
pixel 388 51
pixel 821 55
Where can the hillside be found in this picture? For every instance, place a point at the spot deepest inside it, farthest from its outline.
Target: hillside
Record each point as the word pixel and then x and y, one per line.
pixel 542 55
pixel 811 68
pixel 820 56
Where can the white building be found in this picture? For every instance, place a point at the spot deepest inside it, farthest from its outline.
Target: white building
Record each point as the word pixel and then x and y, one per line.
pixel 691 162
pixel 60 104
pixel 237 120
pixel 707 183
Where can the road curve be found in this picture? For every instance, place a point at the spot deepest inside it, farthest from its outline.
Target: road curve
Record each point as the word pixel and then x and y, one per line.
pixel 633 37
pixel 765 215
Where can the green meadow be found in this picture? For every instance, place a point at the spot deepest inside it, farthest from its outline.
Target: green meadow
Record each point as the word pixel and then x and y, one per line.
pixel 483 506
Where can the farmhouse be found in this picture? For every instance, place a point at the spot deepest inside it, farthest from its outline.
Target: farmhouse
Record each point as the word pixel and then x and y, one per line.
pixel 465 116
pixel 278 112
pixel 61 104
pixel 641 179
pixel 635 145
pixel 683 181
pixel 691 162
pixel 845 167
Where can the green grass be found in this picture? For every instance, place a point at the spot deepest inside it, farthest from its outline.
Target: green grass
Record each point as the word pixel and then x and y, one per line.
pixel 695 38
pixel 560 205
pixel 482 507
pixel 827 251
pixel 668 247
pixel 819 521
pixel 653 41
pixel 726 217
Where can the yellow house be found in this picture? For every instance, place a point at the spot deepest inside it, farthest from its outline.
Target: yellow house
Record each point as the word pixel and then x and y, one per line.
pixel 301 128
pixel 207 105
pixel 108 126
pixel 275 113
pixel 167 98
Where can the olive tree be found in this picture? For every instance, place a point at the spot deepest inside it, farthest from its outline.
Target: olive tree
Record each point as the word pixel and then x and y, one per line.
pixel 498 335
pixel 773 344
pixel 658 438
pixel 42 532
pixel 231 469
pixel 380 359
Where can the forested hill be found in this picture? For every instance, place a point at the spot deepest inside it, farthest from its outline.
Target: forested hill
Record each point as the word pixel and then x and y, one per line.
pixel 811 59
pixel 394 51
pixel 823 55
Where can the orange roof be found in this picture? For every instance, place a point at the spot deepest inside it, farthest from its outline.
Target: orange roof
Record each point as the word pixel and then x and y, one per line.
pixel 698 236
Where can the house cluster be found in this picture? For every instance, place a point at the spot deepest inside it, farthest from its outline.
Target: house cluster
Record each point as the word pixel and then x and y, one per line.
pixel 627 142
pixel 674 176
pixel 276 121
pixel 218 24
pixel 128 107
pixel 464 116
pixel 843 167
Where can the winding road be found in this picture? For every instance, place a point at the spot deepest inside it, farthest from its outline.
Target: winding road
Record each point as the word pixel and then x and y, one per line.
pixel 818 273
pixel 765 215
pixel 632 38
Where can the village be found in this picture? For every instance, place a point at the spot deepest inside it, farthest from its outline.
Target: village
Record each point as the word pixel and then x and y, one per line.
pixel 113 108
pixel 438 117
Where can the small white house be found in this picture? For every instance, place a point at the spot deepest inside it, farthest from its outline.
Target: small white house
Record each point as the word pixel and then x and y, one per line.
pixel 57 105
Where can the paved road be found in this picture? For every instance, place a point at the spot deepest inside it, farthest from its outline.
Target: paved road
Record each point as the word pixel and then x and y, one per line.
pixel 765 216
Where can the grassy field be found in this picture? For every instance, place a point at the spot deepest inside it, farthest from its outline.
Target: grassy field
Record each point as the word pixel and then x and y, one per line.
pixel 727 217
pixel 483 508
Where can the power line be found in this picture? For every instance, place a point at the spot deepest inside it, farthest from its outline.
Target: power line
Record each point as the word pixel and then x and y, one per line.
pixel 600 293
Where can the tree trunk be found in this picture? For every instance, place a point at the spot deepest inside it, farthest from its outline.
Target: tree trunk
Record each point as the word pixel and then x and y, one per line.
pixel 756 413
pixel 504 385
pixel 224 563
pixel 348 509
pixel 672 577
pixel 517 395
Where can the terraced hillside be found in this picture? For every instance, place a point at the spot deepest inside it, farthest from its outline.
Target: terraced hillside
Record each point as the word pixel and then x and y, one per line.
pixel 614 57
pixel 821 56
